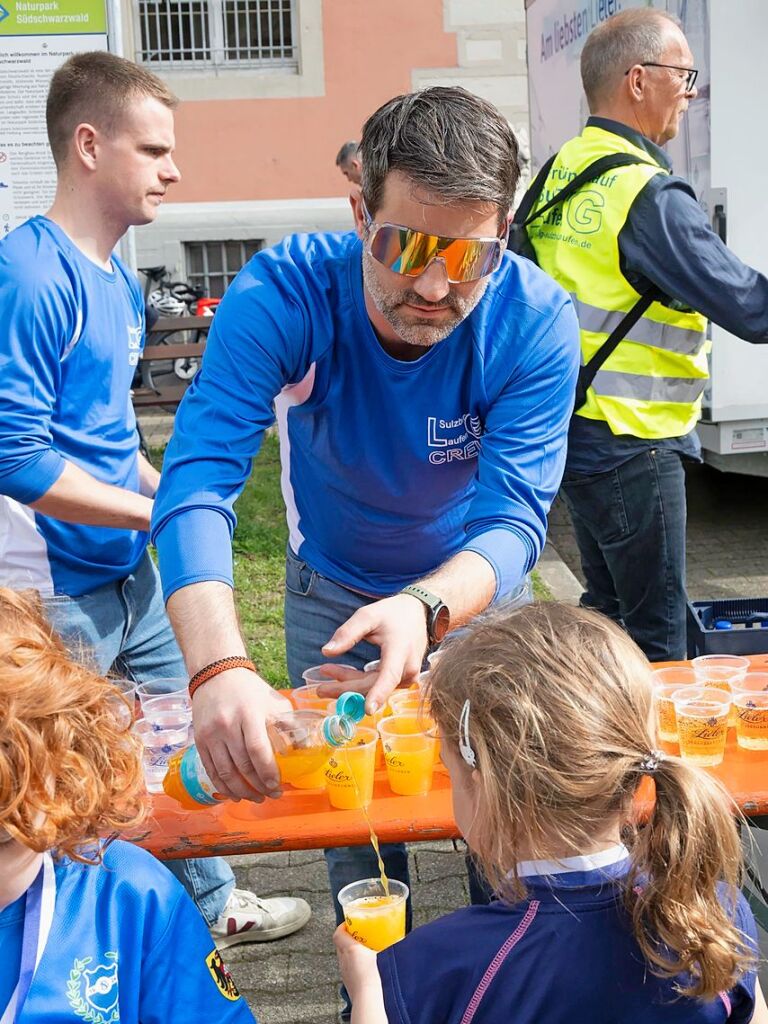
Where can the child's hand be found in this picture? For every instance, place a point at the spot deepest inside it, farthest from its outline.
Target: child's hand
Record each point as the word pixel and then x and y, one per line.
pixel 357 963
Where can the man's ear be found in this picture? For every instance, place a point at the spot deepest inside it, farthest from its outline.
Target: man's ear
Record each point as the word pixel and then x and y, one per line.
pixel 636 83
pixel 356 202
pixel 85 145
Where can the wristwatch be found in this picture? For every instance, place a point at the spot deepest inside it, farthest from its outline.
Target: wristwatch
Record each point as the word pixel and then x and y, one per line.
pixel 438 616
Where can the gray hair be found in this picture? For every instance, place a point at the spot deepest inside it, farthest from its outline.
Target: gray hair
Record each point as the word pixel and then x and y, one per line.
pixel 629 38
pixel 347 152
pixel 448 142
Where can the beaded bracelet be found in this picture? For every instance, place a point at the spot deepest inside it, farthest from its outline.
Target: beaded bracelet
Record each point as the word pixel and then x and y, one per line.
pixel 215 669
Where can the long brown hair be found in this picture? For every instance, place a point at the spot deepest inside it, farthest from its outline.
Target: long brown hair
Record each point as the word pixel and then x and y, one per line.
pixel 560 723
pixel 70 769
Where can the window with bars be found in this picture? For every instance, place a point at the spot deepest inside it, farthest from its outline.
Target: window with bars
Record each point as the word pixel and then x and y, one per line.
pixel 213 265
pixel 220 32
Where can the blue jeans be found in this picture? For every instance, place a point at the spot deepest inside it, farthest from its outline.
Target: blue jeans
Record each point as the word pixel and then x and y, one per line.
pixel 630 528
pixel 315 607
pixel 123 626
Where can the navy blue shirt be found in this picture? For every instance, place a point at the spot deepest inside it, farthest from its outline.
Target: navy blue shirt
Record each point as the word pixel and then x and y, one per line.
pixel 668 241
pixel 566 955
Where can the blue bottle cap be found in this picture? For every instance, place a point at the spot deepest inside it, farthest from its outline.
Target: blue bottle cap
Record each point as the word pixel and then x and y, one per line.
pixel 723 624
pixel 351 705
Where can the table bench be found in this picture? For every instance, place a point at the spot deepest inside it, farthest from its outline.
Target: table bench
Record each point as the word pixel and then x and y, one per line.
pixel 166 327
pixel 304 819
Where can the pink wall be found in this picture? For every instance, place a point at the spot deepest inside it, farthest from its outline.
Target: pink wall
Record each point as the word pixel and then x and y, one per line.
pixel 285 148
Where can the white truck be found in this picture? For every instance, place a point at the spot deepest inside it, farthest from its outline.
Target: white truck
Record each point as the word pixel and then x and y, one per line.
pixel 722 150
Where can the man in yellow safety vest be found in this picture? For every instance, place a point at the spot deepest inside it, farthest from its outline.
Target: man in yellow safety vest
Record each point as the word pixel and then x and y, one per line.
pixel 632 239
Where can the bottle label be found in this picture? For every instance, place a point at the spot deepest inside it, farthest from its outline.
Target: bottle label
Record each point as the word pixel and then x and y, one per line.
pixel 199 788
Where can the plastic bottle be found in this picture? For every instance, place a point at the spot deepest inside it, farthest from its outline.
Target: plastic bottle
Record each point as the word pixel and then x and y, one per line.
pixel 300 740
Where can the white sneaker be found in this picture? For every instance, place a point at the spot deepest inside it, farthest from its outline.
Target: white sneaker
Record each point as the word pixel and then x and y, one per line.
pixel 246 918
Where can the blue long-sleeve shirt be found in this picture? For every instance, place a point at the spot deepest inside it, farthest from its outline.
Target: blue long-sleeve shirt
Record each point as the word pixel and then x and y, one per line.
pixel 390 467
pixel 668 241
pixel 71 334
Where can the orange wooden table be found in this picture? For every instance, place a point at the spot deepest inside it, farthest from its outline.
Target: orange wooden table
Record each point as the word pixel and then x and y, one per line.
pixel 304 820
pixel 299 820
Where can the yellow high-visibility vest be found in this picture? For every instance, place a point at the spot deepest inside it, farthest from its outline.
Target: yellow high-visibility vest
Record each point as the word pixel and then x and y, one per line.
pixel 651 385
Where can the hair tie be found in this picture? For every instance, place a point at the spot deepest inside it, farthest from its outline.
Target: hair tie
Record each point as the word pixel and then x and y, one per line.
pixel 650 763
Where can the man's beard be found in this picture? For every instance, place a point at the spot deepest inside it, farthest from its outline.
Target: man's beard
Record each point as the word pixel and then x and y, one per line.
pixel 416 331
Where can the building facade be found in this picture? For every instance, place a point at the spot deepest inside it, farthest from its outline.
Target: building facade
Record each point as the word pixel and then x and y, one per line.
pixel 270 89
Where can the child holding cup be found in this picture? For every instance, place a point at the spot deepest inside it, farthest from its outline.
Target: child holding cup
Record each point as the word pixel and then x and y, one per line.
pixel 546 723
pixel 89 930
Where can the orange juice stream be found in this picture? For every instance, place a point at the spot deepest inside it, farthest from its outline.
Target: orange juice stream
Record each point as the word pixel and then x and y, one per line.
pixel 371 832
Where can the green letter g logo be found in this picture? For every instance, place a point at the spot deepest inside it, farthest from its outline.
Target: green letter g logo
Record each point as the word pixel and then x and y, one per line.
pixel 584 213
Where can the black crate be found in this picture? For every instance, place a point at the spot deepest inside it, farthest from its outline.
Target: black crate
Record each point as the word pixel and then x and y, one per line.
pixel 748 635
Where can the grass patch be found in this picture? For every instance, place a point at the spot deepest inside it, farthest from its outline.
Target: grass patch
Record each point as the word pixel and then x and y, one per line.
pixel 259 562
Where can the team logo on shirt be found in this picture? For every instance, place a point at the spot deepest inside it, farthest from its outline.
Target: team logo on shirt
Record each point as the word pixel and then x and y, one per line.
pixel 134 343
pixel 454 439
pixel 93 993
pixel 224 980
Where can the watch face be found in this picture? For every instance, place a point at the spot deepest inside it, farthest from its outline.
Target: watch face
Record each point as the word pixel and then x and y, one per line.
pixel 441 620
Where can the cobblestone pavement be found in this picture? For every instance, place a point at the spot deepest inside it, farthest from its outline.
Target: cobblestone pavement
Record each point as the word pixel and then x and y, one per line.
pixel 295 980
pixel 727 535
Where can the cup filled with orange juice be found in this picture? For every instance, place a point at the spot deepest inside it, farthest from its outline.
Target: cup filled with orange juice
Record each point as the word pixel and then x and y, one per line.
pixel 409 702
pixel 374 917
pixel 303 740
pixel 409 754
pixel 702 723
pixel 666 682
pixel 350 769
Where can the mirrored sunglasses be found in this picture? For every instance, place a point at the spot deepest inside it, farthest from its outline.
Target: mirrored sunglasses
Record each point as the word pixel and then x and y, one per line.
pixel 409 252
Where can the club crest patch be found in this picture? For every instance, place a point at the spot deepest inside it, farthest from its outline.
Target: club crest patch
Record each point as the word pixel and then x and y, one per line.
pixel 224 980
pixel 93 992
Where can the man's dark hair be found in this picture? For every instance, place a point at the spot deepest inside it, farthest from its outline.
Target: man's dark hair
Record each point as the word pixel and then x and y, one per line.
pixel 348 151
pixel 96 88
pixel 450 143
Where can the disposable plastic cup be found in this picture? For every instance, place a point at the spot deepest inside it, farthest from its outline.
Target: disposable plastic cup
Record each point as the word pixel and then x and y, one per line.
pixel 666 682
pixel 409 755
pixel 751 720
pixel 158 708
pixel 306 698
pixel 349 771
pixel 128 708
pixel 160 687
pixel 753 682
pixel 723 671
pixel 702 723
pixel 371 722
pixel 420 722
pixel 159 746
pixel 319 673
pixel 372 917
pixel 410 701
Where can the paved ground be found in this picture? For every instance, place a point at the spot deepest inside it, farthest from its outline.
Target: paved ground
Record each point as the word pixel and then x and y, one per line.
pixel 295 981
pixel 727 535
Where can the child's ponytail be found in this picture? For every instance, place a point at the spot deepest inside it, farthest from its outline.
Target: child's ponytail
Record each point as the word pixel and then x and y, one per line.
pixel 683 889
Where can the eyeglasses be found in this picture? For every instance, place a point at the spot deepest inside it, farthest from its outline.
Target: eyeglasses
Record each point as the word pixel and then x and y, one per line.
pixel 691 74
pixel 410 252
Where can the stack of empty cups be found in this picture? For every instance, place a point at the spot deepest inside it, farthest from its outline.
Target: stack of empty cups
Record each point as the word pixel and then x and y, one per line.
pixel 164 726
